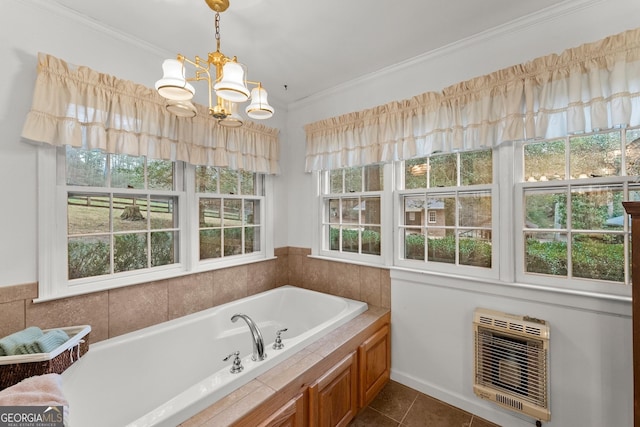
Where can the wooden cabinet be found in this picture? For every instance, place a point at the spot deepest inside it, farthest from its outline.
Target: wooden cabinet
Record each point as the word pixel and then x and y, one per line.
pixel 289 415
pixel 374 358
pixel 330 391
pixel 333 398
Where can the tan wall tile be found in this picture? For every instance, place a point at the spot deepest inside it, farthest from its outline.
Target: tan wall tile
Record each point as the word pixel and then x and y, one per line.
pixel 343 279
pixel 189 294
pixel 229 284
pixel 90 309
pixel 261 276
pixel 315 274
pixel 370 285
pixel 12 317
pixel 136 307
pixel 18 292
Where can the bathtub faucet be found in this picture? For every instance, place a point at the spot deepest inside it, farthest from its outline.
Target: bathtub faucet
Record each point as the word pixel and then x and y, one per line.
pixel 258 342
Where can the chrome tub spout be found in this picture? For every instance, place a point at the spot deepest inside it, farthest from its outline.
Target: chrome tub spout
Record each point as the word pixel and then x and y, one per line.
pixel 256 335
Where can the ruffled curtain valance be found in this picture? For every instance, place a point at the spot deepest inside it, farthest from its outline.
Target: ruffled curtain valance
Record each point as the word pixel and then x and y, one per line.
pixel 594 86
pixel 80 107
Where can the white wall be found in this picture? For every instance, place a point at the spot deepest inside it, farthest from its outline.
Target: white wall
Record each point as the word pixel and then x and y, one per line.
pixel 591 357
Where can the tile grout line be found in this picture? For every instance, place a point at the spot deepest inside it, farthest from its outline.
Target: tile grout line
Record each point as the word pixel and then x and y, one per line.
pixel 409 409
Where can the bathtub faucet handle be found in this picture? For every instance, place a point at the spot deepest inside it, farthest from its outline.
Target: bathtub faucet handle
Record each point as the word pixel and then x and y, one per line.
pixel 278 344
pixel 237 362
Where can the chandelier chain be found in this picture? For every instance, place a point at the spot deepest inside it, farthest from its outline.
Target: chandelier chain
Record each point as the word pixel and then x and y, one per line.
pixel 217 22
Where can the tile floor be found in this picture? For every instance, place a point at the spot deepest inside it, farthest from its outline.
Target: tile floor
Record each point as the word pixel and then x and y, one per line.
pixel 401 406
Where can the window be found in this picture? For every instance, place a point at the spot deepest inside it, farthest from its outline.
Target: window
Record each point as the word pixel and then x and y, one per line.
pixel 352 204
pixel 445 204
pixel 130 220
pixel 122 213
pixel 229 212
pixel 573 225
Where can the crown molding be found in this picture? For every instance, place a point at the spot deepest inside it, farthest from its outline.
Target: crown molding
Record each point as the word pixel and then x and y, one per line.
pixel 548 14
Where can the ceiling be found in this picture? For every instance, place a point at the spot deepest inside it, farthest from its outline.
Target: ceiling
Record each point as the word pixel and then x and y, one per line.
pixel 297 48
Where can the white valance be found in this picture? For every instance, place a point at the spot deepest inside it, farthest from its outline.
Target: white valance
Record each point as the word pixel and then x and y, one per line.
pixel 595 86
pixel 80 107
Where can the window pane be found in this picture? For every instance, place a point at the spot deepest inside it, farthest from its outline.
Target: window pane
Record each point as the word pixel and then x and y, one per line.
pixel 598 256
pixel 370 210
pixel 228 181
pixel 251 239
pixel 248 183
pixel 544 161
pixel 160 174
pixel 350 240
pixel 441 245
pixel 444 208
pixel 210 244
pixel 209 212
pixel 546 253
pixel 162 212
pixel 335 181
pixel 475 248
pixel 334 238
pixel 414 210
pixel 475 210
pixel 87 214
pixel 443 170
pixel 232 212
pixel 232 241
pixel 129 213
pixel 88 168
pixel 595 155
pixel 351 210
pixel 415 173
pixel 206 179
pixel 130 252
pixel 163 247
pixel 252 212
pixel 334 211
pixel 413 244
pixel 373 178
pixel 633 152
pixel 127 171
pixel 371 240
pixel 353 180
pixel 476 167
pixel 596 208
pixel 545 209
pixel 88 256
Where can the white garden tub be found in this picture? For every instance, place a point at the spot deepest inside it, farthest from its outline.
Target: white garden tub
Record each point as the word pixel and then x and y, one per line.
pixel 166 373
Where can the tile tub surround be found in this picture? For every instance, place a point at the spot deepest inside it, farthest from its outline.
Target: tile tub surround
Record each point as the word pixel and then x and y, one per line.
pixel 287 379
pixel 118 311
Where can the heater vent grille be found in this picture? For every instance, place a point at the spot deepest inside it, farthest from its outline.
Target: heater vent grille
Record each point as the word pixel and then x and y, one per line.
pixel 511 354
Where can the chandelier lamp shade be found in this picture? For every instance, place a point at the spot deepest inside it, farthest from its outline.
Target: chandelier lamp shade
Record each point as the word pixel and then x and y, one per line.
pixel 226 83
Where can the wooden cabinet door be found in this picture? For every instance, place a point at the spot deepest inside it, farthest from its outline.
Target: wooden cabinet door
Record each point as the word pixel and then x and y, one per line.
pixel 291 414
pixel 333 398
pixel 374 357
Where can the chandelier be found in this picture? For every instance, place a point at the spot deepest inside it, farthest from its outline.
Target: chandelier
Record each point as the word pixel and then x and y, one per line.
pixel 226 82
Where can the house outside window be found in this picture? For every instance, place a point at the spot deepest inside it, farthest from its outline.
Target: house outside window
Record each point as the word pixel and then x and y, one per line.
pixel 446 201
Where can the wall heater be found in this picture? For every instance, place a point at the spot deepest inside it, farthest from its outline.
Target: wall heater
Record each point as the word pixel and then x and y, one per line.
pixel 511 362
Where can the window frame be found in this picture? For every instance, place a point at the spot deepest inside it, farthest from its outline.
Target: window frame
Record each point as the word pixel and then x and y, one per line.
pixel 53 280
pixel 319 240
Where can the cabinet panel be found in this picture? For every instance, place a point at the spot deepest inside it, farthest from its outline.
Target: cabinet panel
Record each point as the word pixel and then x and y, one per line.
pixel 291 414
pixel 375 365
pixel 333 398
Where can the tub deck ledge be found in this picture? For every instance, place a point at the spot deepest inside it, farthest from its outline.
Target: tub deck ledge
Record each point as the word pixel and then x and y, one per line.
pixel 285 380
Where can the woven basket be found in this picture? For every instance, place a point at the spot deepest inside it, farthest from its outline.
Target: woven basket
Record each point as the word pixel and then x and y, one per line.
pixel 14 369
